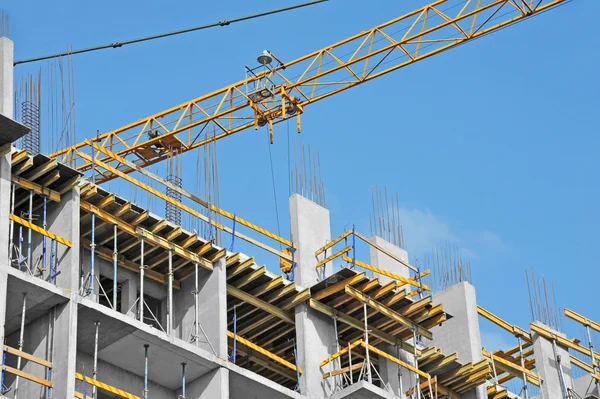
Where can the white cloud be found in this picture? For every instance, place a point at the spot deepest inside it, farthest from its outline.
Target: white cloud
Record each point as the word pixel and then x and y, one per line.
pixel 423 230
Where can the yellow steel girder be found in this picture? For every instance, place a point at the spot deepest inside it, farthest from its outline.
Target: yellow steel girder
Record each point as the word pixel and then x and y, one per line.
pixel 402 41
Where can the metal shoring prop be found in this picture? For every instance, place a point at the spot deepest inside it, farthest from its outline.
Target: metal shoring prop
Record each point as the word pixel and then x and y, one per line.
pixel 141 298
pixel 11 225
pixel 416 362
pixel 20 254
pixel 21 343
pixel 182 381
pixel 591 345
pixel 197 326
pixel 146 346
pixel 337 380
pixel 350 363
pixel 399 368
pixel 170 295
pixel 30 217
pixel 115 264
pixel 45 227
pixel 525 391
pixel 367 359
pixel 95 369
pixel 563 388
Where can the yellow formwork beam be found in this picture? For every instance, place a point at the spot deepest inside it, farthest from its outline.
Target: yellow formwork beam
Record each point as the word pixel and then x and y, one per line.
pixel 259 303
pixel 108 388
pixel 332 243
pixel 381 308
pixel 385 251
pixel 189 195
pixel 515 330
pixel 36 188
pixel 264 352
pixel 342 352
pixel 441 388
pixel 564 342
pixel 40 230
pixel 582 319
pixel 140 232
pixel 512 368
pixel 27 376
pixel 27 356
pixel 334 256
pixel 584 366
pixel 395 276
pixel 183 207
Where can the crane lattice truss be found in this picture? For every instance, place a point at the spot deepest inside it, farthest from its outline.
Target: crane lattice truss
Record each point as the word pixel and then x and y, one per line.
pixel 370 54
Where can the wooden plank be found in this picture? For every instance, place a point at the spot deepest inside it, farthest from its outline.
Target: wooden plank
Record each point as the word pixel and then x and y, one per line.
pixel 36 188
pixel 267 307
pixel 27 356
pixel 343 370
pixel 568 343
pixel 79 395
pixel 69 184
pixel 27 376
pixel 40 230
pixel 513 368
pixel 381 308
pixel 250 277
pixel 21 168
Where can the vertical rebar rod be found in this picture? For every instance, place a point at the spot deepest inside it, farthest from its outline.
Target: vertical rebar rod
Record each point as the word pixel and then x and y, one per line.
pixel 30 217
pixel 141 304
pixel 146 346
pixel 115 265
pixel 367 359
pixel 183 380
pixel 95 369
pixel 170 295
pixel 196 307
pixel 92 253
pixel 21 343
pixel 45 227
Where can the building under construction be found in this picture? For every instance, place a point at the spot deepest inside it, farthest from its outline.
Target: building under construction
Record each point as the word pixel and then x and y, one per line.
pixel 101 297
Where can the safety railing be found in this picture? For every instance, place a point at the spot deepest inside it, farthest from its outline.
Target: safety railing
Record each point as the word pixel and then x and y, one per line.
pixel 18 373
pixel 348 253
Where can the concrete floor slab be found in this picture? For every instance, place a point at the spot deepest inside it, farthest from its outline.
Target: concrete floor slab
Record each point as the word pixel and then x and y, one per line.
pixel 244 384
pixel 362 390
pixel 121 343
pixel 41 297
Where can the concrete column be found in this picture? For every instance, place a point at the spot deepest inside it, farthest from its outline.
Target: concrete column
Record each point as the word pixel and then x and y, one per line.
pixel 546 364
pixel 6 77
pixel 129 289
pixel 213 308
pixel 315 334
pixel 6 109
pixel 310 231
pixel 3 300
pixel 65 350
pixel 461 333
pixel 212 385
pixel 63 220
pixel 586 386
pixel 5 183
pixel 381 260
pixel 398 380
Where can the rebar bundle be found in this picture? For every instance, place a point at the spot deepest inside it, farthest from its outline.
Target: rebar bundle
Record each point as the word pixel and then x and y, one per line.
pixel 384 219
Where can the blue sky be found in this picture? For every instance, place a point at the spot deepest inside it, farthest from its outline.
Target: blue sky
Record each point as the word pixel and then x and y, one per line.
pixel 491 146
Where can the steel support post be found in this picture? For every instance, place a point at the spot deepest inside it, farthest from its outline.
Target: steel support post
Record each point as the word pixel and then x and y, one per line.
pixel 92 253
pixel 196 307
pixel 367 359
pixel 21 343
pixel 95 369
pixel 30 217
pixel 170 295
pixel 146 346
pixel 141 304
pixel 183 381
pixel 45 227
pixel 115 265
